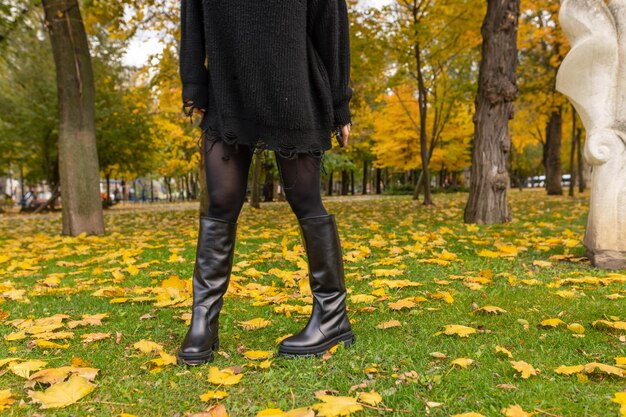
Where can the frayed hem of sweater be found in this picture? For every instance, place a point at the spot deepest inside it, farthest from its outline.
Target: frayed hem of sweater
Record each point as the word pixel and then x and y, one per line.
pixel 285 151
pixel 259 138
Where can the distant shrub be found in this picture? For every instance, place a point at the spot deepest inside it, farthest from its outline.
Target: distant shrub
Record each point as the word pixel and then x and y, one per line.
pixel 399 189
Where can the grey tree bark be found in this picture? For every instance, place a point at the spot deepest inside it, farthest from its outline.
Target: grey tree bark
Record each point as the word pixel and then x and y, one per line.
pixel 78 156
pixel 497 90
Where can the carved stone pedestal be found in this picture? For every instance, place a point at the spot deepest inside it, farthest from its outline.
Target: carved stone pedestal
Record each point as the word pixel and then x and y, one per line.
pixel 593 77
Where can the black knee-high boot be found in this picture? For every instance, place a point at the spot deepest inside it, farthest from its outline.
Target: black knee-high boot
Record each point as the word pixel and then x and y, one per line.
pixel 328 324
pixel 211 275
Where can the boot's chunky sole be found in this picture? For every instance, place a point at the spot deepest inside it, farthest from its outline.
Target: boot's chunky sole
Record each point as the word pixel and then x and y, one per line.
pixel 197 358
pixel 348 339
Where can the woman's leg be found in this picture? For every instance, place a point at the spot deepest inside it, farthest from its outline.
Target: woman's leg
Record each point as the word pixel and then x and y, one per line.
pixel 300 179
pixel 226 168
pixel 329 323
pixel 226 174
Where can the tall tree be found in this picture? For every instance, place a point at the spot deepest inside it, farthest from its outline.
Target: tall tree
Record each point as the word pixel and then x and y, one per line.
pixel 497 90
pixel 78 157
pixel 369 59
pixel 552 153
pixel 430 41
pixel 542 48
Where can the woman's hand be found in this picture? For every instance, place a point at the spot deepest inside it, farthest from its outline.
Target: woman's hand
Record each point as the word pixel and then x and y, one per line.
pixel 198 116
pixel 345 133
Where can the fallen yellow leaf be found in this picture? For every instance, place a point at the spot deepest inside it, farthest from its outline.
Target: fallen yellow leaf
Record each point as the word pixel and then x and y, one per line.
pixel 491 309
pixel 372 398
pixel 362 298
pixel 45 344
pixel 462 362
pixel 576 328
pixel 258 354
pixel 223 377
pixel 552 323
pixel 64 393
pixel 457 329
pixel 146 346
pixel 213 395
pixel 569 370
pixel 524 368
pixel 500 349
pixel 607 369
pixel 24 369
pixel 400 304
pixel 332 406
pixel 388 324
pixel 254 324
pixel 516 411
pixel 92 337
pixel 6 399
pixel 270 412
pixel 620 398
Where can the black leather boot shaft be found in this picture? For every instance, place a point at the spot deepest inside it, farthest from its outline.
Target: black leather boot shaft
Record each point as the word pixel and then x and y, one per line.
pixel 328 324
pixel 211 276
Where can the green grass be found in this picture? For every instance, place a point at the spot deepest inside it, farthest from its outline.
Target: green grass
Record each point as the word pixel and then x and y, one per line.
pixel 540 229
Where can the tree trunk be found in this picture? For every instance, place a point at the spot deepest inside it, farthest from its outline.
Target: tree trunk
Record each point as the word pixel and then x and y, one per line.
pixel 22 187
pixel 352 181
pixel 423 107
pixel 123 185
pixel 330 183
pixel 168 185
pixel 269 181
pixel 345 182
pixel 255 198
pixel 108 180
pixel 418 186
pixel 56 192
pixel 385 178
pixel 365 170
pixel 552 154
pixel 193 186
pixel 56 184
pixel 378 191
pixel 78 157
pixel 497 90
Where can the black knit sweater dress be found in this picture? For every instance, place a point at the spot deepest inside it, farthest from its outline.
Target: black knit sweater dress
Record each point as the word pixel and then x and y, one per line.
pixel 272 74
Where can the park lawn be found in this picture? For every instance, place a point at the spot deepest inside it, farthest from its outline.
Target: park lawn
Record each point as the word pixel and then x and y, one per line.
pixel 534 268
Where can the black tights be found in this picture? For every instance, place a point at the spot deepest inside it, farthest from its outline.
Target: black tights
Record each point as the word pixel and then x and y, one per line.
pixel 227 169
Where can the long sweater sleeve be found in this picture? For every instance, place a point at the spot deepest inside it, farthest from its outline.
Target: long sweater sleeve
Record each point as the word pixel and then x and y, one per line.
pixel 330 31
pixel 193 71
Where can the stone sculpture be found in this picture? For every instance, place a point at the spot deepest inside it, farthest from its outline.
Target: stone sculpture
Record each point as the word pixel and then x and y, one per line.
pixel 593 77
